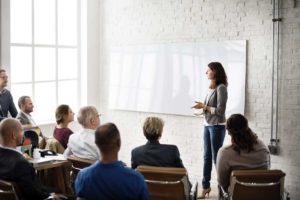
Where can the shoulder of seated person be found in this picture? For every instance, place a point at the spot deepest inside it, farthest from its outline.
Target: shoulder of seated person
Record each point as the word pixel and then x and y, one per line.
pixel 226 148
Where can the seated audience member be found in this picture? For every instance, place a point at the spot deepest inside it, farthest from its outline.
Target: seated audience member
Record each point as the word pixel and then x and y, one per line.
pixel 246 151
pixel 153 153
pixel 6 99
pixel 14 167
pixel 82 143
pixel 64 115
pixel 26 107
pixel 108 178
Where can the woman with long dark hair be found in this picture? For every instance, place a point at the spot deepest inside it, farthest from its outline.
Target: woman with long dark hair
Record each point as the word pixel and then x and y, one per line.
pixel 214 107
pixel 246 151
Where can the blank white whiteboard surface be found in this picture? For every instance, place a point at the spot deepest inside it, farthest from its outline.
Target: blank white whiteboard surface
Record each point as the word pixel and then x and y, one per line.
pixel 168 78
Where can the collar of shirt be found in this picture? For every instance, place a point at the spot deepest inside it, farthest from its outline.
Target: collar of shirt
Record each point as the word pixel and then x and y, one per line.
pixel 3 91
pixel 13 149
pixel 30 118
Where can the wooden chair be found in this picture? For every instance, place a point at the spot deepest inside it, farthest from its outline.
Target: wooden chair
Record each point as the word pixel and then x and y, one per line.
pixel 165 183
pixel 8 191
pixel 255 184
pixel 77 165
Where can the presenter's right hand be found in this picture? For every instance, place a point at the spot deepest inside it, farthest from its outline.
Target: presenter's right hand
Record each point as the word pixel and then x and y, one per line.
pixel 198 105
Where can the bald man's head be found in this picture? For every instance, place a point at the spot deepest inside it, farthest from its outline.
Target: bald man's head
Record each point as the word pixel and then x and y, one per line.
pixel 10 132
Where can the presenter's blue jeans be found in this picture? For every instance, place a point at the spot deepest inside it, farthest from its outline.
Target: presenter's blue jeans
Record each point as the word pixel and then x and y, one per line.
pixel 213 140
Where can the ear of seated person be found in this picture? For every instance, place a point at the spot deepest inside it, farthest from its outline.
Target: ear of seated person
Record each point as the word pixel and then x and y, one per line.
pixel 246 151
pixel 155 154
pixel 14 167
pixel 82 143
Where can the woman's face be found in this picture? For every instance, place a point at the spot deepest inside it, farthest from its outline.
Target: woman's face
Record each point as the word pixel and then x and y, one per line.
pixel 210 74
pixel 70 116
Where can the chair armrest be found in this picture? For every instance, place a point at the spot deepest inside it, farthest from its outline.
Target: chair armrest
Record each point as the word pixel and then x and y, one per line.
pixel 194 191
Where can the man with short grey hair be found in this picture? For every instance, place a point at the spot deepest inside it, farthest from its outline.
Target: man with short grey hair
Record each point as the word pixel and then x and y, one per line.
pixel 82 143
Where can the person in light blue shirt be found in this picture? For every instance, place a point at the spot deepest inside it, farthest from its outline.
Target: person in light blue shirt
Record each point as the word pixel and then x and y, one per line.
pixel 109 178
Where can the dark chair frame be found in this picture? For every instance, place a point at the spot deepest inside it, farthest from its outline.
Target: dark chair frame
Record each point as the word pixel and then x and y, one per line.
pixel 77 165
pixel 9 190
pixel 255 184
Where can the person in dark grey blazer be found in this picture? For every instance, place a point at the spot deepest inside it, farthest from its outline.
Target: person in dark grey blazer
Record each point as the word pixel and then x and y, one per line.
pixel 153 153
pixel 26 107
pixel 214 107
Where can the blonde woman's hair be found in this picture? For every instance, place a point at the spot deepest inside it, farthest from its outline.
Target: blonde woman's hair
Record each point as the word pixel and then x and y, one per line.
pixel 153 127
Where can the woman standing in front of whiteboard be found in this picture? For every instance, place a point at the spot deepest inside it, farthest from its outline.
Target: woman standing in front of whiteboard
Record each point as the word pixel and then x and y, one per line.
pixel 214 107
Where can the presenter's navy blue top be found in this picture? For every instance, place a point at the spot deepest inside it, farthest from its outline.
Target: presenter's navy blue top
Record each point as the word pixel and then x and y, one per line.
pixel 111 181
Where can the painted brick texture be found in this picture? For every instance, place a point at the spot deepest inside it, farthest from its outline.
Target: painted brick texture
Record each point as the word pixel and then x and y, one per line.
pixel 156 21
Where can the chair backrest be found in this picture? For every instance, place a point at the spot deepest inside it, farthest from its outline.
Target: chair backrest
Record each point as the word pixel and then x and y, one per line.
pixel 54 145
pixel 33 137
pixel 8 190
pixel 257 184
pixel 164 183
pixel 80 163
pixel 77 165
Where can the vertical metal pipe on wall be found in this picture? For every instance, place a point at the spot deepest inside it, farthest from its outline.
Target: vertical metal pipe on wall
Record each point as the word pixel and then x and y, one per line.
pixel 275 78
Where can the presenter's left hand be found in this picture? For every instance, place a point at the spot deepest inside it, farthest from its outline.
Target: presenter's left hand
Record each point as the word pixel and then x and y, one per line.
pixel 198 105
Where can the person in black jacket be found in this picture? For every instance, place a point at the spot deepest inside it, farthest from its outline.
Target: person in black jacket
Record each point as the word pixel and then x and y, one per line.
pixel 153 153
pixel 13 165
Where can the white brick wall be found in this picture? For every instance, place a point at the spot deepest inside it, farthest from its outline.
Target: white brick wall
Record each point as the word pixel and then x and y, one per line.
pixel 158 21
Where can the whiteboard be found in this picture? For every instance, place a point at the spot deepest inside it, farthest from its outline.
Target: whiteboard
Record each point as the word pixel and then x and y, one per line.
pixel 168 78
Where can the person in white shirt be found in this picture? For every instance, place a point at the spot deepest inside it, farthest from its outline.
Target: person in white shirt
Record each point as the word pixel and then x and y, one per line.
pixel 82 143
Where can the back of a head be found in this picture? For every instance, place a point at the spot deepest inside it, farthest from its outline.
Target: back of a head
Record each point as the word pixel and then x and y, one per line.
pixel 7 127
pixel 152 128
pixel 242 136
pixel 61 112
pixel 85 114
pixel 107 138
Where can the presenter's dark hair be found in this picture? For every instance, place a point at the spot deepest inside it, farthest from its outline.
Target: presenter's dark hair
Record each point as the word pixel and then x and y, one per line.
pixel 242 136
pixel 220 75
pixel 107 137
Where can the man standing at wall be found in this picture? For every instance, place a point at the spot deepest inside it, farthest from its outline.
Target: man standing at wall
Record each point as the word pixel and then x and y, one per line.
pixel 6 99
